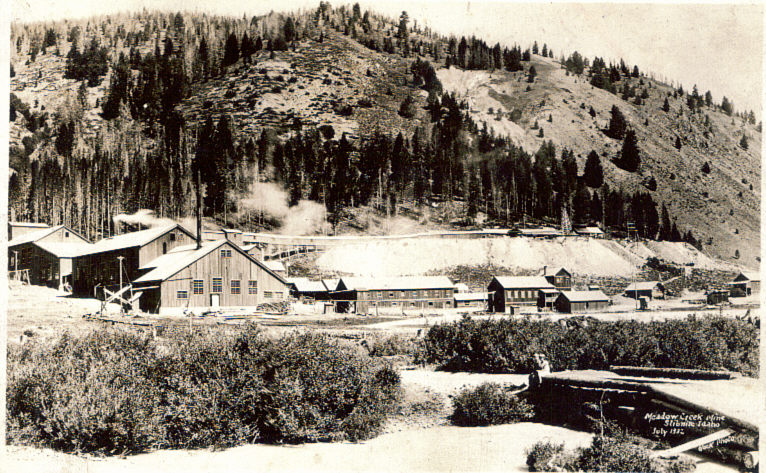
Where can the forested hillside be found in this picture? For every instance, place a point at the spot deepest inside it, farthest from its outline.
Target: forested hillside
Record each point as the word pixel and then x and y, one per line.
pixel 347 108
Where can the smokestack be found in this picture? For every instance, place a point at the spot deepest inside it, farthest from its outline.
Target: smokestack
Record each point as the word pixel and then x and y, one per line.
pixel 199 207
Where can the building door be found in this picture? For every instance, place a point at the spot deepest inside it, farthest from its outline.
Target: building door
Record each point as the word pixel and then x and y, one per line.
pixel 215 300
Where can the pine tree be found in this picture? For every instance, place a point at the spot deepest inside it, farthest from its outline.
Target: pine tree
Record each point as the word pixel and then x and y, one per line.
pixel 593 173
pixel 678 142
pixel 666 105
pixel 231 50
pixel 743 142
pixel 727 106
pixel 629 157
pixel 532 74
pixel 617 124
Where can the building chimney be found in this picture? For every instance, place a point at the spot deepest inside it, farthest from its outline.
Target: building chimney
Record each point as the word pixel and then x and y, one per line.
pixel 545 270
pixel 199 207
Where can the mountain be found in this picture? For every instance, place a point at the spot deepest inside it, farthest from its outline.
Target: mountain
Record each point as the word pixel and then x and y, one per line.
pixel 354 109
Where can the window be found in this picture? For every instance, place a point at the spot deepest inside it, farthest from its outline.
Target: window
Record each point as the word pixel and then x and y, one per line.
pixel 198 286
pixel 172 236
pixel 164 248
pixel 278 295
pixel 182 295
pixel 252 287
pixel 217 285
pixel 225 253
pixel 235 287
pixel 66 234
pixel 268 294
pixel 390 295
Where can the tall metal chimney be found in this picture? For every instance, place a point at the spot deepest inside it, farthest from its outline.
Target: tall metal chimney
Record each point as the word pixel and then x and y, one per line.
pixel 199 206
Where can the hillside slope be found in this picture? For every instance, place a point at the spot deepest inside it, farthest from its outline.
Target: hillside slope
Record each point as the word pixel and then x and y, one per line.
pixel 722 208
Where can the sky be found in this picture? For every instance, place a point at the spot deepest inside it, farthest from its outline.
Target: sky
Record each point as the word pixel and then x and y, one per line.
pixel 718 47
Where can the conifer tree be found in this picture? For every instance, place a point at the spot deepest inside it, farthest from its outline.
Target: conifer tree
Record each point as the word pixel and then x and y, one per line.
pixel 629 156
pixel 593 173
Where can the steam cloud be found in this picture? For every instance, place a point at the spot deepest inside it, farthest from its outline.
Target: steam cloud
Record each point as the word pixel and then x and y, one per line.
pixel 305 218
pixel 144 217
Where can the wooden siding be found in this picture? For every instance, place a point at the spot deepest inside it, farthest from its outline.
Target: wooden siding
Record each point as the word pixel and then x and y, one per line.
pixel 63 235
pixel 427 298
pixel 213 265
pixel 44 268
pixel 104 269
pixel 564 305
pixel 154 249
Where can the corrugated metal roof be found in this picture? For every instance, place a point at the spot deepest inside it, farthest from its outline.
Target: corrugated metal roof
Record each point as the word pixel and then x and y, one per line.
pixel 307 285
pixel 642 286
pixel 34 236
pixel 524 282
pixel 585 296
pixel 398 283
pixel 65 250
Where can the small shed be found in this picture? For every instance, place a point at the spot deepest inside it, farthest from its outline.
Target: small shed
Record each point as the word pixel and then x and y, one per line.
pixel 746 283
pixel 591 232
pixel 471 299
pixel 581 301
pixel 648 289
pixel 717 296
pixel 304 288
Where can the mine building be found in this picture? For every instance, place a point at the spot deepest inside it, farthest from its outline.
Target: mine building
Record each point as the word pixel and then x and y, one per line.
pixel 304 288
pixel 506 291
pixel 745 284
pixel 471 299
pixel 17 229
pixel 274 265
pixel 117 259
pixel 558 277
pixel 367 295
pixel 546 298
pixel 44 257
pixel 648 289
pixel 212 276
pixel 581 301
pixel 591 232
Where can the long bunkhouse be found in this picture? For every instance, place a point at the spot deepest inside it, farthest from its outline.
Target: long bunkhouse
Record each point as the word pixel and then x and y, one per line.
pixel 581 301
pixel 218 275
pixel 45 255
pixel 366 295
pixel 507 291
pixel 100 265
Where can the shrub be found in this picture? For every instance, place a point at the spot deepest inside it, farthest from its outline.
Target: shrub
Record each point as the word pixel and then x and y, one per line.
pixel 489 404
pixel 506 345
pixel 604 454
pixel 113 392
pixel 391 345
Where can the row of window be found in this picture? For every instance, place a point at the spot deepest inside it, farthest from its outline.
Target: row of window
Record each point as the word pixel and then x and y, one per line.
pixel 235 287
pixel 522 294
pixel 425 293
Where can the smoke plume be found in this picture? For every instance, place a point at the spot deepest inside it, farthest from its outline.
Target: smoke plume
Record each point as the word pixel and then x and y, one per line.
pixel 305 218
pixel 143 217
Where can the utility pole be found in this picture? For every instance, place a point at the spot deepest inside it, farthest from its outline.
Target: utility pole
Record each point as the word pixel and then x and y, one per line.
pixel 16 263
pixel 120 258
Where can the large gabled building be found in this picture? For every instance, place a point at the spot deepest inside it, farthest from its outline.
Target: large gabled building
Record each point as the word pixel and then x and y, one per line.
pixel 746 283
pixel 217 275
pixel 117 259
pixel 44 255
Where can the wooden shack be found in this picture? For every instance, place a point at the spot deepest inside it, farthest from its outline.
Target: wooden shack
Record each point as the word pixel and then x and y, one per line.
pixel 218 275
pixel 648 289
pixel 304 288
pixel 745 284
pixel 100 265
pixel 581 301
pixel 368 295
pixel 45 255
pixel 505 291
pixel 471 299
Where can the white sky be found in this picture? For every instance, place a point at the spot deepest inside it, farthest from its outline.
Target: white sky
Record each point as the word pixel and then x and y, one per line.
pixel 717 46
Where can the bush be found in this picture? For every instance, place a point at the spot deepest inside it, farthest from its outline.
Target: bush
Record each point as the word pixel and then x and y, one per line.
pixel 113 392
pixel 489 404
pixel 506 345
pixel 604 454
pixel 391 345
